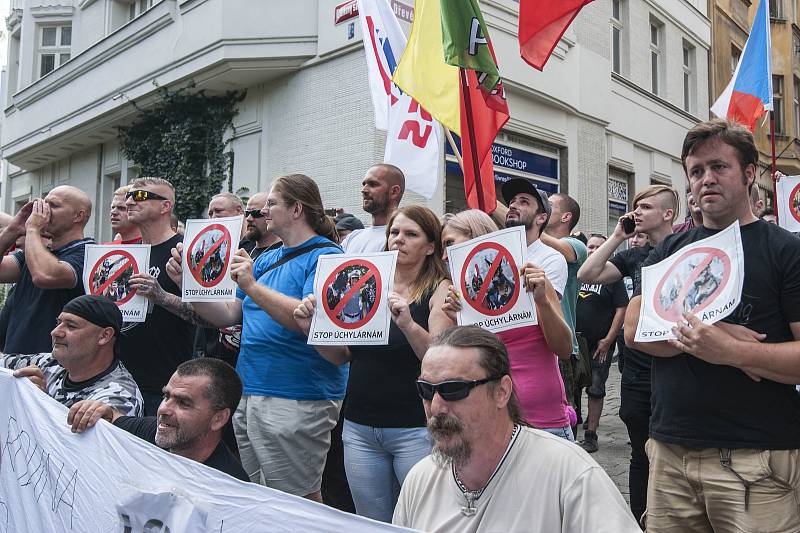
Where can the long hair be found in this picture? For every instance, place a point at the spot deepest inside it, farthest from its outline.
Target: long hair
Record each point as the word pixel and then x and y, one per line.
pixel 471 223
pixel 494 359
pixel 299 188
pixel 433 270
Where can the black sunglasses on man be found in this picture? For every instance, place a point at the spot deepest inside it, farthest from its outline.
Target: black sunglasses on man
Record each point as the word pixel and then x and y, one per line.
pixel 450 391
pixel 140 195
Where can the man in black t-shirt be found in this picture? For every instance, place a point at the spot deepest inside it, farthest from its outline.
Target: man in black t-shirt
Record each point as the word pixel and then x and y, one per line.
pixel 46 278
pixel 600 313
pixel 153 349
pixel 725 432
pixel 654 211
pixel 198 401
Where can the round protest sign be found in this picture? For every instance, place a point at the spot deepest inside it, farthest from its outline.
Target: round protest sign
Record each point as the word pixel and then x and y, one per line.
pixel 352 293
pixel 490 279
pixel 794 202
pixel 110 276
pixel 692 283
pixel 209 255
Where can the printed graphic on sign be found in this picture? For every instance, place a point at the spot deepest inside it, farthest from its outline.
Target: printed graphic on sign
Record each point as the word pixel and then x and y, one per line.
pixel 352 295
pixel 704 278
pixel 108 272
pixel 209 247
pixel 788 201
pixel 487 274
pixel 491 279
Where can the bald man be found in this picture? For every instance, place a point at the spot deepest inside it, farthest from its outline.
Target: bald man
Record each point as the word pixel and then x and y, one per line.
pixel 46 280
pixel 153 349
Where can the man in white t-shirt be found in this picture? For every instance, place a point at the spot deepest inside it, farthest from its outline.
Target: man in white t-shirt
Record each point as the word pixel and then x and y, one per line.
pixel 488 470
pixel 382 190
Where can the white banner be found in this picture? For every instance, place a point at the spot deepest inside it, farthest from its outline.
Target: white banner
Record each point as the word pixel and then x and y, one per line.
pixel 352 299
pixel 106 480
pixel 788 201
pixel 107 269
pixel 704 278
pixel 413 139
pixel 486 272
pixel 208 246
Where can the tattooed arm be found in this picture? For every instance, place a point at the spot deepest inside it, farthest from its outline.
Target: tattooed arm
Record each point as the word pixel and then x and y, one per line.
pixel 148 287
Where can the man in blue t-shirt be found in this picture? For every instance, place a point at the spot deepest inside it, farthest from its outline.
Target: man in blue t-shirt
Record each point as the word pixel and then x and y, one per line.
pixel 292 396
pixel 46 278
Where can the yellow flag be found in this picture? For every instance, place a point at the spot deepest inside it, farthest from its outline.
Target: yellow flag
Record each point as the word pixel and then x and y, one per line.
pixel 422 72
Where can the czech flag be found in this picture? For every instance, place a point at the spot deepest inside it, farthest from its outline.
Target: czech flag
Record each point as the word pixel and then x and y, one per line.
pixel 749 94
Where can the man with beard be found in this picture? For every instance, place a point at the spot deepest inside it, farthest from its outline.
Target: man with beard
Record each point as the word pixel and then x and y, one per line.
pixel 489 470
pixel 46 278
pixel 256 226
pixel 382 190
pixel 198 402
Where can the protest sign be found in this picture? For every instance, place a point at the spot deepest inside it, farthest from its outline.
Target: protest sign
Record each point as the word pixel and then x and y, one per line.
pixel 109 480
pixel 209 245
pixel 352 298
pixel 788 200
pixel 107 272
pixel 704 278
pixel 486 271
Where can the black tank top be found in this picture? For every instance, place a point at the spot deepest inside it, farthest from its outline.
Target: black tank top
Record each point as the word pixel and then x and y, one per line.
pixel 381 390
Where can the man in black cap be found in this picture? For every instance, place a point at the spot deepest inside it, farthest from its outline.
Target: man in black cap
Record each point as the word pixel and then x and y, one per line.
pixel 83 364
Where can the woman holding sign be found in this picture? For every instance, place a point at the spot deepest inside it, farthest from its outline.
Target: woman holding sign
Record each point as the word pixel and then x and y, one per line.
pixel 384 430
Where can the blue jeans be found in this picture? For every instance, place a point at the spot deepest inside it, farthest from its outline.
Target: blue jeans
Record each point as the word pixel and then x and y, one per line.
pixel 564 433
pixel 377 461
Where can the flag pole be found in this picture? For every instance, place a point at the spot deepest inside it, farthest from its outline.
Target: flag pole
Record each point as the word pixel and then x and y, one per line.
pixel 454 147
pixel 774 164
pixel 476 167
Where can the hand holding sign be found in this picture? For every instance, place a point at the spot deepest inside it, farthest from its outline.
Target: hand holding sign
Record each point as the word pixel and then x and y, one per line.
pixel 535 282
pixel 116 272
pixel 401 315
pixel 208 258
pixel 242 270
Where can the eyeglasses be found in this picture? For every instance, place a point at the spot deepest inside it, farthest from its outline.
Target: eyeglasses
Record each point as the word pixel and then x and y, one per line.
pixel 141 196
pixel 450 391
pixel 255 213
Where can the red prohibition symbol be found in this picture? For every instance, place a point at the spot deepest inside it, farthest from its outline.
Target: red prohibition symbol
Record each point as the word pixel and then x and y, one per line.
pixel 352 293
pixel 794 202
pixel 695 291
pixel 209 255
pixel 110 276
pixel 496 292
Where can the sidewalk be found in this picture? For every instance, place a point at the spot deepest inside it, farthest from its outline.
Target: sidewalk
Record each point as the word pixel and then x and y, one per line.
pixel 615 452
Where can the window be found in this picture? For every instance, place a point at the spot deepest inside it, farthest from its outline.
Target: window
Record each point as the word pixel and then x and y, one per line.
pixel 796 106
pixel 688 79
pixel 616 36
pixel 54 47
pixel 777 104
pixel 736 55
pixel 138 7
pixel 655 57
pixel 776 9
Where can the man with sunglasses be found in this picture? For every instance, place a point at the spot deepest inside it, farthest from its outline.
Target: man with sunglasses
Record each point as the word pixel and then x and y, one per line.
pixel 153 349
pixel 46 277
pixel 489 470
pixel 256 230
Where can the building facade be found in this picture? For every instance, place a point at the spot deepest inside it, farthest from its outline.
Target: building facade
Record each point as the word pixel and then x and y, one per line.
pixel 605 118
pixel 731 22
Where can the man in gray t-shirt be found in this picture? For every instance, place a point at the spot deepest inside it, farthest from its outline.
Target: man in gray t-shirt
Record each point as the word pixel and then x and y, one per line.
pixel 83 364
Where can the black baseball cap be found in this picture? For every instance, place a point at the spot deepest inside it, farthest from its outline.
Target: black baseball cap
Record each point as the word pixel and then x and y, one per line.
pixel 514 186
pixel 348 223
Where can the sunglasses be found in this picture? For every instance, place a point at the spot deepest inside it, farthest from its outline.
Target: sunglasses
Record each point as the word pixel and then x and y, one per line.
pixel 255 213
pixel 141 196
pixel 450 391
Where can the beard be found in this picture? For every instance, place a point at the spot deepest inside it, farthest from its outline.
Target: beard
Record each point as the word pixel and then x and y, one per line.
pixel 375 205
pixel 449 444
pixel 173 437
pixel 253 233
pixel 519 222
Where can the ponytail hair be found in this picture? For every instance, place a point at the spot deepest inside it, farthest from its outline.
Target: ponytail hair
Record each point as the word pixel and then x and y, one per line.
pixel 299 188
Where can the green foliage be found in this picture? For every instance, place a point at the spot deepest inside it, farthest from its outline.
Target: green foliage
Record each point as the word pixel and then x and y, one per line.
pixel 181 139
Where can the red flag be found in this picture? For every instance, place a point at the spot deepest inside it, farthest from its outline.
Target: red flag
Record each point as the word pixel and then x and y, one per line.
pixel 483 114
pixel 541 25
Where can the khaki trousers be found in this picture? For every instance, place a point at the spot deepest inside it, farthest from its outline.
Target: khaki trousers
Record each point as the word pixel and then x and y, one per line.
pixel 719 491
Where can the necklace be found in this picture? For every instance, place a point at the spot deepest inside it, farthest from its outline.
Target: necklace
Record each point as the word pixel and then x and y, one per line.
pixel 471 496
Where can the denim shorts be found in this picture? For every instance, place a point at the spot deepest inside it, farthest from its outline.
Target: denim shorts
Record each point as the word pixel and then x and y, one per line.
pixel 565 432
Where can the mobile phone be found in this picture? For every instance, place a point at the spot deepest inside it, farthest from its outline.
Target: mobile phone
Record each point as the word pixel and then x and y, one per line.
pixel 628 225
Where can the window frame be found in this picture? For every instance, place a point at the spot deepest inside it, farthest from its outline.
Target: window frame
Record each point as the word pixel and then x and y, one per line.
pixel 656 48
pixel 58 50
pixel 778 104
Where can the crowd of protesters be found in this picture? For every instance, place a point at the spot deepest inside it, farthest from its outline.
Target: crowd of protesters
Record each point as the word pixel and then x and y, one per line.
pixel 445 428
